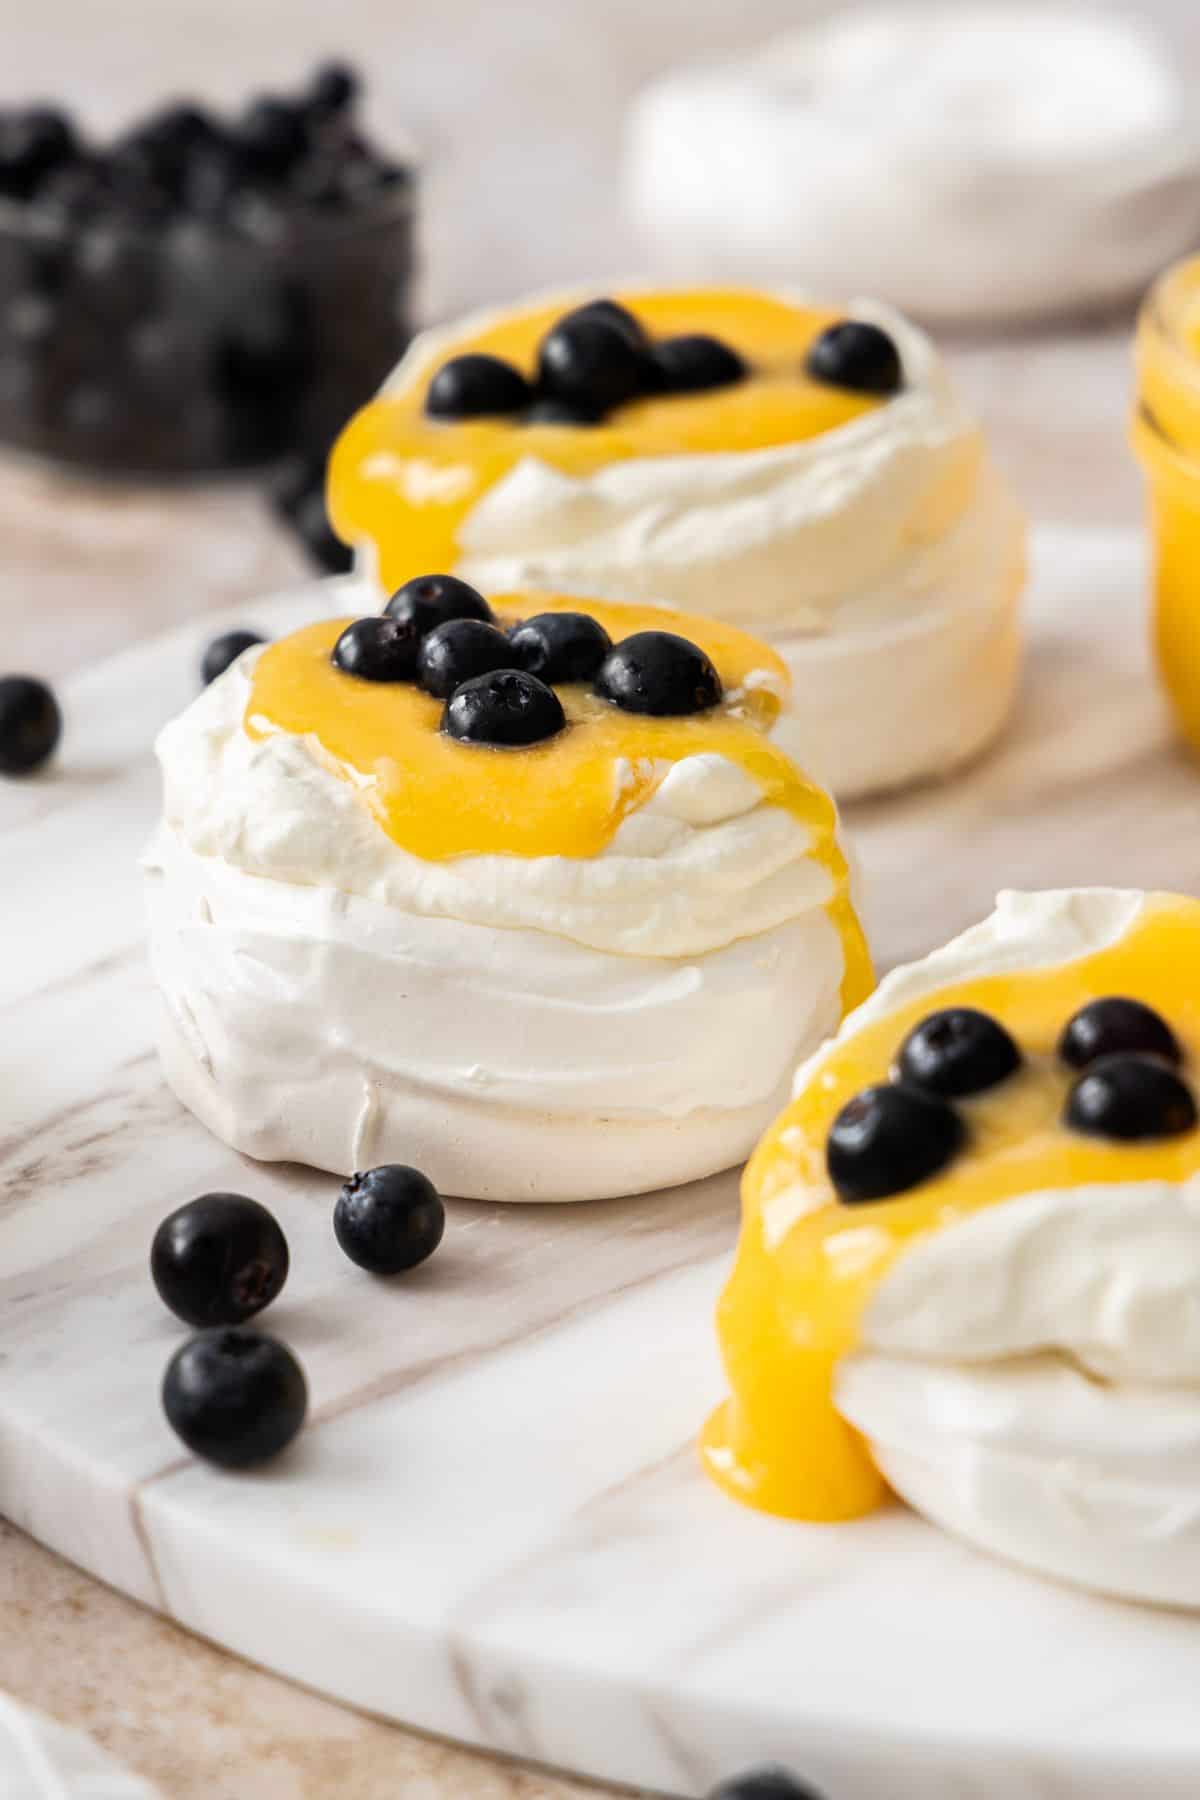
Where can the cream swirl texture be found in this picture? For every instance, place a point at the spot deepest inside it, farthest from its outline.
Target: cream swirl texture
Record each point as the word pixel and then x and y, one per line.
pixel 523 1028
pixel 1029 1376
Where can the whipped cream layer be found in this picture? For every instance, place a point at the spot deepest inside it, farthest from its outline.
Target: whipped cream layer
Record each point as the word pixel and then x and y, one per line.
pixel 884 559
pixel 933 153
pixel 1029 1377
pixel 586 1028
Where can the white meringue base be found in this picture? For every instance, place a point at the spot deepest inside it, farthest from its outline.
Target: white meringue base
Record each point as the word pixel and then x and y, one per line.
pixel 307 1024
pixel 1008 1458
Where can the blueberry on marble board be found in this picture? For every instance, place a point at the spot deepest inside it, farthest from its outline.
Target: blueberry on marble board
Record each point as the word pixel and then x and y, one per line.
pixel 235 1396
pixel 223 652
pixel 30 724
pixel 767 1783
pixel 219 1260
pixel 390 1219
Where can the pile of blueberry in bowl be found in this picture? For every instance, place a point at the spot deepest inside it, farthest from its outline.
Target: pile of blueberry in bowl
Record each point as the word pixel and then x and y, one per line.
pixel 201 293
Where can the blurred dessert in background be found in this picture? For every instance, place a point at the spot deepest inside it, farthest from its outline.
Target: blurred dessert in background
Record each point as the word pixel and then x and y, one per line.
pixel 809 475
pixel 1166 436
pixel 970 1252
pixel 526 896
pixel 968 161
pixel 202 293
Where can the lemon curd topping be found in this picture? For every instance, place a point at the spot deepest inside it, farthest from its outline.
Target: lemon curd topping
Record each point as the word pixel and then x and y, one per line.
pixel 404 482
pixel 438 798
pixel 807 1266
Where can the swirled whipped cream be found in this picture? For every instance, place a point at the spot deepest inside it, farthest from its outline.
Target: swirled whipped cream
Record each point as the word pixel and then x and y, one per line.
pixel 884 559
pixel 967 160
pixel 571 1028
pixel 1029 1376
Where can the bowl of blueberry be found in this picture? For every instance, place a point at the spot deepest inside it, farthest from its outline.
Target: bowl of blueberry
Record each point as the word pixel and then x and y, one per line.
pixel 201 293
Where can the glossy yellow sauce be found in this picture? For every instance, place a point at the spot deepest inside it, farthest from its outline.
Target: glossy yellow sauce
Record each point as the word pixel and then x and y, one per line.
pixel 403 482
pixel 439 798
pixel 1166 436
pixel 808 1265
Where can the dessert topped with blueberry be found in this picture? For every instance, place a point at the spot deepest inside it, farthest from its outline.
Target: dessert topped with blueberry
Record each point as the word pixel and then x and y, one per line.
pixel 530 726
pixel 1036 1079
pixel 586 386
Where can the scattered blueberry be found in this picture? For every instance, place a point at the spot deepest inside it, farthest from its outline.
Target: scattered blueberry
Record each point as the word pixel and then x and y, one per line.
pixel 458 651
pixel 224 651
pixel 429 600
pixel 476 386
pixel 657 672
pixel 1130 1098
pixel 561 647
pixel 888 1139
pixel 855 355
pixel 219 1260
pixel 389 1219
pixel 377 649
pixel 1106 1027
pixel 769 1783
pixel 506 709
pixel 235 1396
pixel 30 724
pixel 957 1051
pixel 695 363
pixel 549 411
pixel 591 364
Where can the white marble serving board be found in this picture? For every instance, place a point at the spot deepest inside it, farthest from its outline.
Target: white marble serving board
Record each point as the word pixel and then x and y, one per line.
pixel 494 1526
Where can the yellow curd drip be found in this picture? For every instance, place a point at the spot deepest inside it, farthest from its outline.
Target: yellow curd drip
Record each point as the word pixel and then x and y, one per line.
pixel 808 1265
pixel 1166 435
pixel 404 483
pixel 439 798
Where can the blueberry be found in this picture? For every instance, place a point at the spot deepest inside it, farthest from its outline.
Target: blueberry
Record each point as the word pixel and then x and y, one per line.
pixel 476 386
pixel 888 1139
pixel 657 672
pixel 1130 1098
pixel 429 600
pixel 458 651
pixel 1105 1027
pixel 271 139
pixel 768 1783
pixel 30 724
pixel 33 141
pixel 548 411
pixel 219 1260
pixel 224 651
pixel 389 1219
pixel 508 708
pixel 611 312
pixel 566 646
pixel 855 355
pixel 311 522
pixel 377 649
pixel 591 364
pixel 693 364
pixel 236 1397
pixel 957 1051
pixel 333 89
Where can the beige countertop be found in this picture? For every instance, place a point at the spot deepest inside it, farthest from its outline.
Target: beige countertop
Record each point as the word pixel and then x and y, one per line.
pixel 84 570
